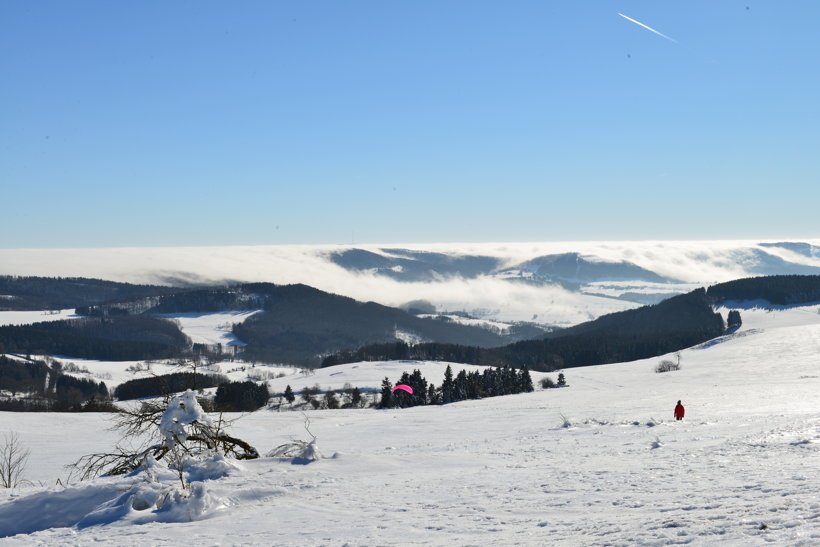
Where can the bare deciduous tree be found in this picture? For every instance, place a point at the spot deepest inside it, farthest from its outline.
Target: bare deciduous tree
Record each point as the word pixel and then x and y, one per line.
pixel 13 460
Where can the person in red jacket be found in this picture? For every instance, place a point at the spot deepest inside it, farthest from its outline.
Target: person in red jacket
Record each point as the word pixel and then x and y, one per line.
pixel 679 411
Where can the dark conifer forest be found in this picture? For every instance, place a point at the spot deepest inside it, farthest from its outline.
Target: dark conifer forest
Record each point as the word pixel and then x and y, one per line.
pixel 58 293
pixel 34 385
pixel 781 290
pixel 122 338
pixel 166 384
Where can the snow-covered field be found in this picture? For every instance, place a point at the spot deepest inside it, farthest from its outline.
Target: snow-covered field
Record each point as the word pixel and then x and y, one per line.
pixel 29 317
pixel 211 328
pixel 601 462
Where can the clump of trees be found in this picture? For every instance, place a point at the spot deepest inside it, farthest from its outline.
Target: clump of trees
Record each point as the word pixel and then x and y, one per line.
pixel 347 397
pixel 155 386
pixel 548 383
pixel 230 396
pixel 240 396
pixel 490 382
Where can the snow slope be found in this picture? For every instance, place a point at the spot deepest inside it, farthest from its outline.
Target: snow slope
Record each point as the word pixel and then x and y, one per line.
pixel 211 328
pixel 601 462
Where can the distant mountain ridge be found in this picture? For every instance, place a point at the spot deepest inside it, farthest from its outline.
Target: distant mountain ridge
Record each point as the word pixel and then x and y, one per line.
pixel 407 265
pixel 572 269
pixel 575 268
pixel 556 284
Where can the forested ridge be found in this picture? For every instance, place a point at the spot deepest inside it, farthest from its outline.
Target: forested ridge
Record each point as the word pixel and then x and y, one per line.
pixel 113 339
pixel 781 290
pixel 57 293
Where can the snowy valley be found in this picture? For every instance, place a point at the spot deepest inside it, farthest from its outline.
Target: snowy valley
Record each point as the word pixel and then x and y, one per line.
pixel 601 462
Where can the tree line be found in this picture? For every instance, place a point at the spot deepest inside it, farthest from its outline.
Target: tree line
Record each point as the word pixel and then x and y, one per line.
pixel 165 384
pixel 490 382
pixel 57 293
pixel 782 290
pixel 230 396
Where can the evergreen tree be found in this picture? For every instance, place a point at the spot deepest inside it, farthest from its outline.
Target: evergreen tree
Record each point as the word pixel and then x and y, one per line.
pixel 733 321
pixel 356 397
pixel 447 387
pixel 419 385
pixel 460 386
pixel 433 395
pixel 289 396
pixel 387 394
pixel 525 381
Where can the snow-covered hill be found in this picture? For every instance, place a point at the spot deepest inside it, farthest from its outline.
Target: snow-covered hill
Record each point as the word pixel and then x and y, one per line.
pixel 601 462
pixel 553 283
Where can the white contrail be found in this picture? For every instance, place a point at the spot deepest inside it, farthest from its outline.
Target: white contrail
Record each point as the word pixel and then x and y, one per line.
pixel 647 27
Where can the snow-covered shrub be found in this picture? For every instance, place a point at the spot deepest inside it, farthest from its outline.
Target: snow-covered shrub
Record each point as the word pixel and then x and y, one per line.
pixel 176 432
pixel 260 375
pixel 183 410
pixel 565 423
pixel 667 365
pixel 299 451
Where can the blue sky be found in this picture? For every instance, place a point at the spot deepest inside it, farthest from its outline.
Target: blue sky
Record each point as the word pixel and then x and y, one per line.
pixel 274 122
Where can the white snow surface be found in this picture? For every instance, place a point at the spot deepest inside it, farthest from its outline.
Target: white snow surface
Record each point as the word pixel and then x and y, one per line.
pixel 211 327
pixel 601 462
pixel 37 316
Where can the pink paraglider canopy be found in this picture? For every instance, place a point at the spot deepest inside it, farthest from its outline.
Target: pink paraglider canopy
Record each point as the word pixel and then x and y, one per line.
pixel 403 387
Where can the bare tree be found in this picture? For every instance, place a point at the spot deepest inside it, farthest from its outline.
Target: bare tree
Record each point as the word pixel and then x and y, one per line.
pixel 13 460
